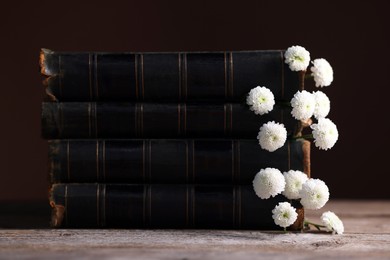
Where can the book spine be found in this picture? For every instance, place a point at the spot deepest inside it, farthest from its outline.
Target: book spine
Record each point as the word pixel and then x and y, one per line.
pixel 153 120
pixel 163 206
pixel 177 76
pixel 169 161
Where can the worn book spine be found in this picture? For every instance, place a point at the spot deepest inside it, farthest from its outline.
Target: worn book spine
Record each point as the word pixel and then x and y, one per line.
pixel 164 206
pixel 155 120
pixel 174 76
pixel 182 161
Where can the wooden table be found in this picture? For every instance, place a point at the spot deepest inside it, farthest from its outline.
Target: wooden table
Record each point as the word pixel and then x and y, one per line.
pixel 367 236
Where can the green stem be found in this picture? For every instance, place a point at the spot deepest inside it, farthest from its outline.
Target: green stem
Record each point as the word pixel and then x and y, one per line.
pixel 284 104
pixel 308 76
pixel 317 226
pixel 308 136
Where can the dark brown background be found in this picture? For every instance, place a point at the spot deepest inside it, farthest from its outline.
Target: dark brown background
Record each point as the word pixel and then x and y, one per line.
pixel 353 38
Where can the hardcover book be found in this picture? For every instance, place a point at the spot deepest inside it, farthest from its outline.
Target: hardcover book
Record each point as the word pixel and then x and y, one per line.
pixel 155 120
pixel 200 161
pixel 171 76
pixel 163 206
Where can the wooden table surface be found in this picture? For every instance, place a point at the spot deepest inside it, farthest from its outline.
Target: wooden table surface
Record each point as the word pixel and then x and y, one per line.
pixel 367 236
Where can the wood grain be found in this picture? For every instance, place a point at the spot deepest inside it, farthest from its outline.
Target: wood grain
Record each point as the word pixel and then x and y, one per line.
pixel 367 235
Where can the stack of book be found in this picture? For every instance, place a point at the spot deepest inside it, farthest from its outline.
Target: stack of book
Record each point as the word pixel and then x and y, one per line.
pixel 163 140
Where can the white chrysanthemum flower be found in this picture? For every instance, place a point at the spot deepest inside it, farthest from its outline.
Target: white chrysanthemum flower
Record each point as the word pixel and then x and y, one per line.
pixel 284 214
pixel 297 57
pixel 322 107
pixel 261 100
pixel 303 104
pixel 332 222
pixel 322 72
pixel 272 136
pixel 325 133
pixel 314 194
pixel 294 181
pixel 268 182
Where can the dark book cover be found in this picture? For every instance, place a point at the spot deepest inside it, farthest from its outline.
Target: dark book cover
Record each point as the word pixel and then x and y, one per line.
pixel 164 206
pixel 171 76
pixel 200 161
pixel 156 120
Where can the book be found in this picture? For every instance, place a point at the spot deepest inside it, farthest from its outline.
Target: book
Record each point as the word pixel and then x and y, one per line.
pixel 163 206
pixel 200 161
pixel 170 76
pixel 155 120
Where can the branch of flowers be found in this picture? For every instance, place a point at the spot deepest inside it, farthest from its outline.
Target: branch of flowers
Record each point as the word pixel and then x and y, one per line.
pixel 308 76
pixel 306 223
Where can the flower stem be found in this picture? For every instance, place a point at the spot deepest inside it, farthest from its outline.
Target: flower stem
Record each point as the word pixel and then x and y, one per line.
pixel 284 104
pixel 302 79
pixel 308 136
pixel 317 226
pixel 308 76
